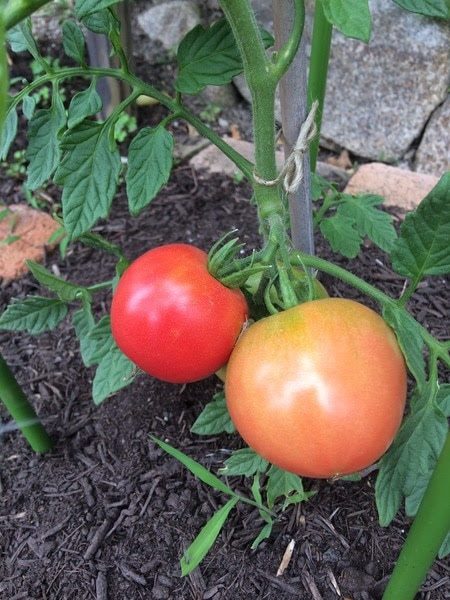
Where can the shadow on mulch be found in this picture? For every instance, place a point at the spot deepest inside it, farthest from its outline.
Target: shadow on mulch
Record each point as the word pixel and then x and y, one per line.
pixel 107 515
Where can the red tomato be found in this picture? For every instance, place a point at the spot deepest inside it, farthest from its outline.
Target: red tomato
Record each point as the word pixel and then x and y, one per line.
pixel 318 390
pixel 172 318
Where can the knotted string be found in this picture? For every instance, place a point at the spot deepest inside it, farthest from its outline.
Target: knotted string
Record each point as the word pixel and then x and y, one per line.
pixel 292 170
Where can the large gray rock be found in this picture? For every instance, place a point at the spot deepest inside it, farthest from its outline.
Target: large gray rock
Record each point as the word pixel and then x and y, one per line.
pixel 379 96
pixel 164 25
pixel 433 154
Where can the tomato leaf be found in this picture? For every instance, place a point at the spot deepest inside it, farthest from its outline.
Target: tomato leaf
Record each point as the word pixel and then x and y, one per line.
pixel 113 373
pixel 445 548
pixel 342 235
pixel 34 315
pixel 101 22
pixel 83 321
pixel 43 147
pixel 206 538
pixel 409 339
pixel 73 42
pixel 84 104
pixel 429 8
pixel 281 483
pixel 214 418
pixel 101 341
pixel 263 535
pixel 94 240
pixel 89 171
pixel 244 462
pixel 85 8
pixel 20 38
pixel 423 248
pixel 412 454
pixel 28 106
pixel 8 133
pixel 150 158
pixel 209 57
pixel 66 291
pixel 351 17
pixel 369 221
pixel 443 398
pixel 194 467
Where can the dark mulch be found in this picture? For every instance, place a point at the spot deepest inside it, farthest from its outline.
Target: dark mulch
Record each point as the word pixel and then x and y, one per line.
pixel 107 515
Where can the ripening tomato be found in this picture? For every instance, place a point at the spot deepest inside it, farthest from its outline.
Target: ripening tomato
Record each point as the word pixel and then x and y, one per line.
pixel 318 390
pixel 172 318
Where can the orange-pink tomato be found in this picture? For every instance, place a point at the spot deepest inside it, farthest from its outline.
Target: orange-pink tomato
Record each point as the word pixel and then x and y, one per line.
pixel 318 390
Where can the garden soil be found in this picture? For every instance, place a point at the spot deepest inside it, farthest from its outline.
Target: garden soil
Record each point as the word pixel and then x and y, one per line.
pixel 106 515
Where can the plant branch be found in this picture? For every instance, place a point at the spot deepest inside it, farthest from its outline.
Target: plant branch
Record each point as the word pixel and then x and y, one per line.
pixel 19 10
pixel 286 54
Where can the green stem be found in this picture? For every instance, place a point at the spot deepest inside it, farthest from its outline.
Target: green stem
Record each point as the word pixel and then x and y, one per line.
pixel 286 54
pixel 428 531
pixel 4 77
pixel 318 68
pixel 18 10
pixel 21 410
pixel 262 80
pixel 329 200
pixel 403 300
pixel 98 287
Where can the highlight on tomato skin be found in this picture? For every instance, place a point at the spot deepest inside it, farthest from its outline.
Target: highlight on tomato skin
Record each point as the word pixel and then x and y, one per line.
pixel 172 318
pixel 318 390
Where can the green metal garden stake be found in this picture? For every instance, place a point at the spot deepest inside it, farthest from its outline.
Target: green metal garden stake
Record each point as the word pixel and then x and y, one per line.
pixel 318 69
pixel 427 533
pixel 21 410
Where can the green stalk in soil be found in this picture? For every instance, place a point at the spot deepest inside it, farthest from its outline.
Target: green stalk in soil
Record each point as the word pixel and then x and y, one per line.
pixel 4 78
pixel 427 533
pixel 21 410
pixel 318 69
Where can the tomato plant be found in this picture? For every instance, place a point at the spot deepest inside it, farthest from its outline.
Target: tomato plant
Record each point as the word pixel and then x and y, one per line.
pixel 172 318
pixel 318 390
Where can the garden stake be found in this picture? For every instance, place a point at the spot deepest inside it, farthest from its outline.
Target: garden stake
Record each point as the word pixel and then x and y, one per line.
pixel 318 68
pixel 21 410
pixel 427 533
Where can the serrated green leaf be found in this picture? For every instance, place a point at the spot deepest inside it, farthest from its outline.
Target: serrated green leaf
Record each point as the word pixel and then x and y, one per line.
pixel 20 38
pixel 369 221
pixel 34 315
pixel 412 453
pixel 351 17
pixel 429 8
pixel 409 339
pixel 84 104
pixel 209 57
pixel 101 22
pixel 281 483
pixel 89 171
pixel 423 246
pixel 206 538
pixel 113 373
pixel 101 341
pixel 65 290
pixel 73 42
pixel 413 500
pixel 94 240
pixel 244 462
pixel 28 106
pixel 8 133
pixel 150 158
pixel 83 321
pixel 43 147
pixel 443 398
pixel 84 8
pixel 10 239
pixel 445 548
pixel 214 418
pixel 297 498
pixel 263 535
pixel 194 467
pixel 341 233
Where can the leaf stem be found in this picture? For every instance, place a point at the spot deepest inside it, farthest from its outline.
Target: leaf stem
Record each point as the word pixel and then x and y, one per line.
pixel 286 54
pixel 21 410
pixel 19 10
